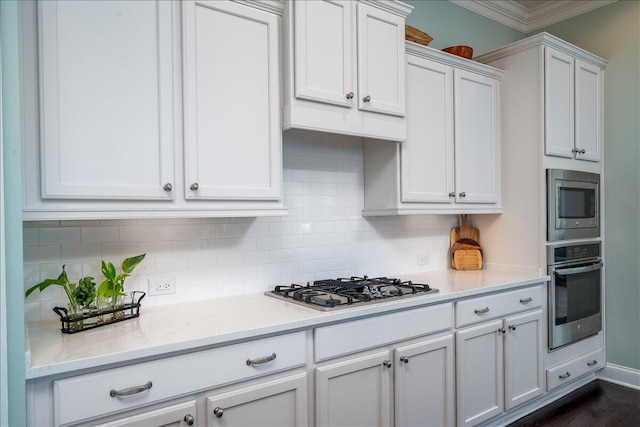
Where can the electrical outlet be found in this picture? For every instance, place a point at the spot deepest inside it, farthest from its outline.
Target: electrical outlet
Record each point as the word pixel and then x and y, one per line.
pixel 423 258
pixel 162 286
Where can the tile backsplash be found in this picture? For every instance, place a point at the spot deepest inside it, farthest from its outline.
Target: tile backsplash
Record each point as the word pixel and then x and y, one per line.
pixel 324 236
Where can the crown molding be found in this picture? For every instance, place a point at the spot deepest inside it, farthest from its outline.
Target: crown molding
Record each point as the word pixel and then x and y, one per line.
pixel 513 15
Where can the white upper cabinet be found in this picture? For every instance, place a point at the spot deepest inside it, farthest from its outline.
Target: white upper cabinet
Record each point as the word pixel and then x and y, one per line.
pixel 323 36
pixel 588 112
pixel 106 94
pixel 573 106
pixel 476 137
pixel 345 67
pixel 233 142
pixel 115 139
pixel 450 160
pixel 381 71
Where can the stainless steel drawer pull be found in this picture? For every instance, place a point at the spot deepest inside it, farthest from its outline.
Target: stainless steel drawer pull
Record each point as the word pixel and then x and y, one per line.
pixel 481 310
pixel 526 300
pixel 593 363
pixel 565 376
pixel 404 359
pixel 261 360
pixel 189 419
pixel 218 412
pixel 131 390
pixel 386 363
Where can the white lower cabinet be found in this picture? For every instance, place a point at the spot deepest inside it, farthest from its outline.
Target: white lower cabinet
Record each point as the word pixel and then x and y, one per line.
pixel 182 415
pixel 498 366
pixel 410 385
pixel 278 403
pixel 393 383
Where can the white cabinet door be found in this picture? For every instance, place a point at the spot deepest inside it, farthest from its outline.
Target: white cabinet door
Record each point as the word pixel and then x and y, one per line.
pixel 559 103
pixel 588 110
pixel 277 403
pixel 106 100
pixel 476 137
pixel 381 75
pixel 523 346
pixel 324 51
pixel 424 385
pixel 479 373
pixel 426 158
pixel 179 415
pixel 232 102
pixel 355 392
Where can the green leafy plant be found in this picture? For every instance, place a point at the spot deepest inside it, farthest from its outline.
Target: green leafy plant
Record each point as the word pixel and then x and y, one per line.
pixel 85 292
pixel 63 281
pixel 113 285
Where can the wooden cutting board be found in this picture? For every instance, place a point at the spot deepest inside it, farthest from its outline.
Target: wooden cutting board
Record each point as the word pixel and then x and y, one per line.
pixel 463 231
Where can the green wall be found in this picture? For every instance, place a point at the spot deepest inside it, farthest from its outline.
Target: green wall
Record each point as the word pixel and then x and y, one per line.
pixel 452 25
pixel 613 32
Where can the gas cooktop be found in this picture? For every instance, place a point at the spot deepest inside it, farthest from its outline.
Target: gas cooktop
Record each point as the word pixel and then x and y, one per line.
pixel 331 294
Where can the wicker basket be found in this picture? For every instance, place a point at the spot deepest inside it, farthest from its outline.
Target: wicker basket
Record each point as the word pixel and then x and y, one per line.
pixel 417 36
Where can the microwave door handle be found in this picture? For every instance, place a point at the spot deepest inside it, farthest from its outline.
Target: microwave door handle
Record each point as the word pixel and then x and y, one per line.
pixel 578 270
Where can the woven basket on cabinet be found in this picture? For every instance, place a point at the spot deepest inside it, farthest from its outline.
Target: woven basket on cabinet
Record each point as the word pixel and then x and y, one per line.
pixel 415 35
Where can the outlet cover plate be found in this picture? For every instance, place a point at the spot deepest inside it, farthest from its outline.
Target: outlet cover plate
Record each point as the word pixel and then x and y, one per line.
pixel 162 286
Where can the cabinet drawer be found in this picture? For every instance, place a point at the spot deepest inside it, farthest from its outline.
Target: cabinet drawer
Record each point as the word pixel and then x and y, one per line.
pixel 90 395
pixel 498 305
pixel 573 369
pixel 349 337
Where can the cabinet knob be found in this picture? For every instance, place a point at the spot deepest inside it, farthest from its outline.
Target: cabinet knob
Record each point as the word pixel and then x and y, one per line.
pixel 512 327
pixel 189 419
pixel 349 95
pixel 366 98
pixel 404 359
pixel 582 151
pixel 168 187
pixel 501 331
pixel 387 363
pixel 463 194
pixel 218 412
pixel 564 376
pixel 575 150
pixel 452 194
pixel 194 186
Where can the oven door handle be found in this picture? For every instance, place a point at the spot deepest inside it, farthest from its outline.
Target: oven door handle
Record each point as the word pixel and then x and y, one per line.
pixel 578 270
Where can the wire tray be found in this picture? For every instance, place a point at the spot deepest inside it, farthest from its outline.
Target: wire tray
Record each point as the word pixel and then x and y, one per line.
pixel 95 318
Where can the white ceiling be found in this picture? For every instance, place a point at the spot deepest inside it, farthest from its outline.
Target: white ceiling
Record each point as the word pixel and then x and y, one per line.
pixel 530 15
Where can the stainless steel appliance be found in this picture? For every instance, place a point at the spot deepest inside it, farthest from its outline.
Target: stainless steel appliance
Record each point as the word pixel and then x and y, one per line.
pixel 330 294
pixel 575 292
pixel 573 205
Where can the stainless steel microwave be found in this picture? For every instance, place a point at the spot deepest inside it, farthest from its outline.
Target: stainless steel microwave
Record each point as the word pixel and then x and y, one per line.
pixel 573 205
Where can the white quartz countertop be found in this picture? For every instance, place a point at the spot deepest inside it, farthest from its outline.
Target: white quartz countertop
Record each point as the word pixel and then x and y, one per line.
pixel 170 329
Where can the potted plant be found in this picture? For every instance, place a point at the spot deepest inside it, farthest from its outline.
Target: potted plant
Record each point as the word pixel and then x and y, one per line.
pixel 77 297
pixel 107 296
pixel 112 287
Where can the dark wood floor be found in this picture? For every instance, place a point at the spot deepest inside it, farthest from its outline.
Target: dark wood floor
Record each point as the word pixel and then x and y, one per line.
pixel 598 403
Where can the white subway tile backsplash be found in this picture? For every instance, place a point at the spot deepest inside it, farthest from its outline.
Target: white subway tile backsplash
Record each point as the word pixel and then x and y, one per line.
pixel 94 234
pixel 59 235
pixel 136 233
pixel 324 236
pixel 41 254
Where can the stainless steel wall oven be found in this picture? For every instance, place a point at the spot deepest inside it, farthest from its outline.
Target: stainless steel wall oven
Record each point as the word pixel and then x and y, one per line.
pixel 575 292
